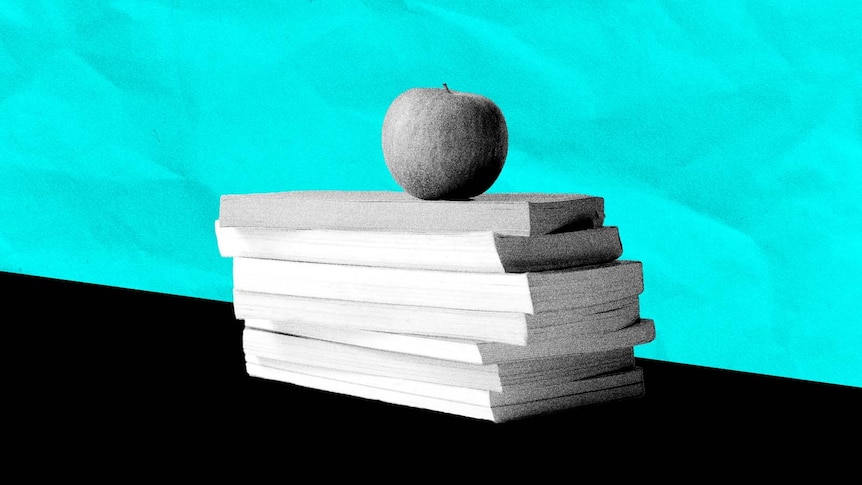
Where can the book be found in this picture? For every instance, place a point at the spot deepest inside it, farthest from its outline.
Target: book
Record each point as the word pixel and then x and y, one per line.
pixel 489 377
pixel 531 292
pixel 515 402
pixel 454 251
pixel 517 214
pixel 641 332
pixel 623 372
pixel 485 326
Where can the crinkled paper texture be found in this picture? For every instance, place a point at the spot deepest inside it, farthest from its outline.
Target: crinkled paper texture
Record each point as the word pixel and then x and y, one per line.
pixel 725 138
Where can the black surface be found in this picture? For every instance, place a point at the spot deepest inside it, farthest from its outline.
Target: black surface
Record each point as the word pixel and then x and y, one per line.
pixel 132 369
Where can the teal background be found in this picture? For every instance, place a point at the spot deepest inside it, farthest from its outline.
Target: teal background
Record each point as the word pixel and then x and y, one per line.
pixel 726 138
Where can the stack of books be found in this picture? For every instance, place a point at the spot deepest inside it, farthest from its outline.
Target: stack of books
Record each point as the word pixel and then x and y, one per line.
pixel 499 307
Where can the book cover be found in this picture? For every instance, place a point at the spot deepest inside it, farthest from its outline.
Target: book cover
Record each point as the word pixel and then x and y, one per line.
pixel 513 402
pixel 640 332
pixel 524 214
pixel 364 360
pixel 472 251
pixel 514 328
pixel 515 292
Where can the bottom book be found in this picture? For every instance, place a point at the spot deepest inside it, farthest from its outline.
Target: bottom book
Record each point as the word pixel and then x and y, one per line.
pixel 514 402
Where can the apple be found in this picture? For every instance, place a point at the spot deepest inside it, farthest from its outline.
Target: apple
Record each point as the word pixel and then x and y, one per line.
pixel 444 144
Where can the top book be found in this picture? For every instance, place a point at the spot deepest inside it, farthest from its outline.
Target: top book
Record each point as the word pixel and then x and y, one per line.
pixel 520 214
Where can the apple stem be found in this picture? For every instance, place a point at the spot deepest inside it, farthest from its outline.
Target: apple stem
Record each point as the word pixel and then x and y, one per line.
pixel 447 88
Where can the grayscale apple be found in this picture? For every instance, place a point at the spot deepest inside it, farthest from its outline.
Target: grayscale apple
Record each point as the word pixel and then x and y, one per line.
pixel 444 144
